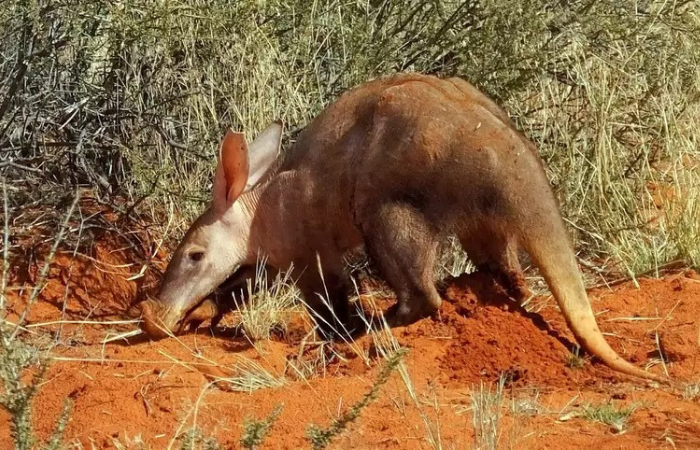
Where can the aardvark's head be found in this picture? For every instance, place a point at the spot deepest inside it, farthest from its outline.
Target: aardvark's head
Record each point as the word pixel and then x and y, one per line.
pixel 217 243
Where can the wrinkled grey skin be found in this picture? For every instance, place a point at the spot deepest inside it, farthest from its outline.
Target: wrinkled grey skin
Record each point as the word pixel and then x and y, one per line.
pixel 394 165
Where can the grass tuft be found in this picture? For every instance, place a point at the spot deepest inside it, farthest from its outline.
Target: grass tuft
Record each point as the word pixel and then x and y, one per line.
pixel 575 360
pixel 486 414
pixel 388 347
pixel 249 377
pixel 269 304
pixel 691 391
pixel 615 417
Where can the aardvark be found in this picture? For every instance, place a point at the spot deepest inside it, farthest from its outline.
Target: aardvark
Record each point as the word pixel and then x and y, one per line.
pixel 394 165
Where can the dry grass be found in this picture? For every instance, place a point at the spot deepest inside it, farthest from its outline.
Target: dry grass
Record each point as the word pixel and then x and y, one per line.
pixel 691 391
pixel 486 415
pixel 270 305
pixel 616 129
pixel 134 100
pixel 251 376
pixel 388 347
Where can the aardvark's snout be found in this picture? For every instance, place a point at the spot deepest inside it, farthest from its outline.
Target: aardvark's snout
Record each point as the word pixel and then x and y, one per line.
pixel 156 321
pixel 159 321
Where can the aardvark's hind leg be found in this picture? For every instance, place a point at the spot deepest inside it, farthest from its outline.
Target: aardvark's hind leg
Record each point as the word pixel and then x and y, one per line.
pixel 403 245
pixel 497 254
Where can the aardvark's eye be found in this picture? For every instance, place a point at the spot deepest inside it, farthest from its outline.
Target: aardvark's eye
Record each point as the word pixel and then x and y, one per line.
pixel 196 256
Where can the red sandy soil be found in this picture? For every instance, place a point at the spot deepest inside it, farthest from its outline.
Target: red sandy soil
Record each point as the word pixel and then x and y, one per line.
pixel 122 391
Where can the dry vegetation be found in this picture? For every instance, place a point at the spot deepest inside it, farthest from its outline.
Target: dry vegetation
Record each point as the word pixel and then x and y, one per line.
pixel 128 99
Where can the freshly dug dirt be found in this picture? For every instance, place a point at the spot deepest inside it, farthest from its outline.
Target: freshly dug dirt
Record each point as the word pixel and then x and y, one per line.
pixel 126 392
pixel 493 336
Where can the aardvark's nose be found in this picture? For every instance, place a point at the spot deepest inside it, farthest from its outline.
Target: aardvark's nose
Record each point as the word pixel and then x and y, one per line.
pixel 155 320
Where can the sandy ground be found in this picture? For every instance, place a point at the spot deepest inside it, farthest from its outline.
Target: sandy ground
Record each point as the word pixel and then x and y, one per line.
pixel 124 392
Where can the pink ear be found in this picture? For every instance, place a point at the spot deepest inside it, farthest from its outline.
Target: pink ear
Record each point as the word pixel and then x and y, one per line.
pixel 231 171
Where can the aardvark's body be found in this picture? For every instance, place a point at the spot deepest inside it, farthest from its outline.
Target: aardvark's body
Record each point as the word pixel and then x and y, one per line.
pixel 395 165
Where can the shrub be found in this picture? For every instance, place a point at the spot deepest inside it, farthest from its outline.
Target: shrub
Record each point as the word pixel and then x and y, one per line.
pixel 131 97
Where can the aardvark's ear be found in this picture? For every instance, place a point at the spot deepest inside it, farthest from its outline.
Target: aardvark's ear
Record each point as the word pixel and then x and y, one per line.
pixel 263 153
pixel 231 171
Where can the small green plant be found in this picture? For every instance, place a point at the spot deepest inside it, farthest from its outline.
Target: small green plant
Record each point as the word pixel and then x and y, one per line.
pixel 575 360
pixel 255 431
pixel 609 414
pixel 486 414
pixel 194 438
pixel 320 438
pixel 16 359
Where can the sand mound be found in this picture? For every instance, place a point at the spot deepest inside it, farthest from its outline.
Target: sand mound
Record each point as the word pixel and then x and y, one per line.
pixel 493 336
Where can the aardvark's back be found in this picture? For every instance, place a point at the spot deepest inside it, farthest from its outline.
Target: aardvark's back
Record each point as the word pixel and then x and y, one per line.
pixel 435 143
